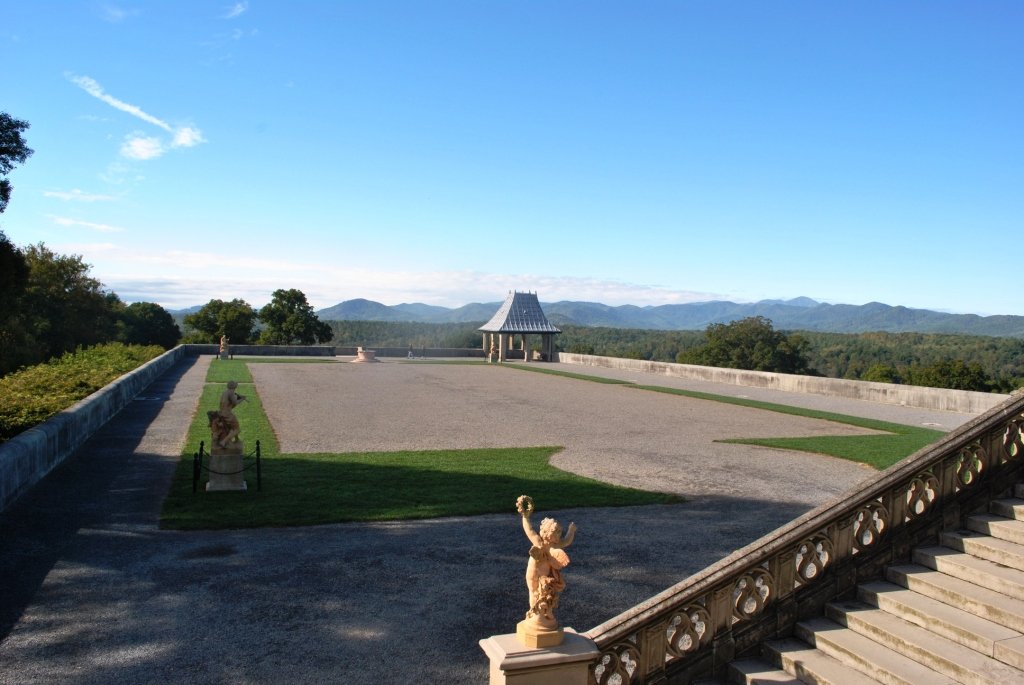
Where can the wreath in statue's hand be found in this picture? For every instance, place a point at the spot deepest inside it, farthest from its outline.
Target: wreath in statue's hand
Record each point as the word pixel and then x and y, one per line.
pixel 524 505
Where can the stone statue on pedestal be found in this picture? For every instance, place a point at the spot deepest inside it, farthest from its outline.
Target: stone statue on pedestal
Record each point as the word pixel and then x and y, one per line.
pixel 226 448
pixel 543 577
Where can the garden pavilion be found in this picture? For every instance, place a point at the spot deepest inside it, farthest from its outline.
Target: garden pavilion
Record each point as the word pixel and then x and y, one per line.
pixel 520 314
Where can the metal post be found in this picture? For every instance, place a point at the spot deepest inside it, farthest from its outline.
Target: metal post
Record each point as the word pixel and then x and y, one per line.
pixel 259 469
pixel 197 466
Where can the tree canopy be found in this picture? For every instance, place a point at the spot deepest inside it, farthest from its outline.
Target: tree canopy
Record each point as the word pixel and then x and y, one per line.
pixel 235 319
pixel 147 323
pixel 751 344
pixel 289 319
pixel 13 150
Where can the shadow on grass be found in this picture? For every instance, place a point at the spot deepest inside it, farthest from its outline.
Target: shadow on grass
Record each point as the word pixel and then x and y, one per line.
pixel 333 488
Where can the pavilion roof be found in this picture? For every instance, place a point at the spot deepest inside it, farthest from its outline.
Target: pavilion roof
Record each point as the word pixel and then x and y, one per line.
pixel 519 313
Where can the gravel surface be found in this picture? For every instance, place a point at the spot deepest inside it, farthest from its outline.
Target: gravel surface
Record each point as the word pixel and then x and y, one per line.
pixel 94 592
pixel 611 432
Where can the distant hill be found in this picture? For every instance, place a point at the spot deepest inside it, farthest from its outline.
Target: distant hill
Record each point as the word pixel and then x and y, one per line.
pixel 801 313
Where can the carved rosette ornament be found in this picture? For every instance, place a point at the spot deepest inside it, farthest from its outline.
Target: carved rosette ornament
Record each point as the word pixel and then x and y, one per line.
pixel 970 464
pixel 921 495
pixel 617 665
pixel 1013 440
pixel 812 556
pixel 751 592
pixel 688 630
pixel 870 523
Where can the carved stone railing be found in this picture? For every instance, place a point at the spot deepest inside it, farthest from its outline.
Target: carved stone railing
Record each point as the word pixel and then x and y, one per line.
pixel 693 629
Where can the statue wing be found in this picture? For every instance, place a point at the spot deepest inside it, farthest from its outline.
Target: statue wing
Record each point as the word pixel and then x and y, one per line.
pixel 559 559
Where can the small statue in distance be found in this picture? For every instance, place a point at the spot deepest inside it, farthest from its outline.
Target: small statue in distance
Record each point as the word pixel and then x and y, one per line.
pixel 543 577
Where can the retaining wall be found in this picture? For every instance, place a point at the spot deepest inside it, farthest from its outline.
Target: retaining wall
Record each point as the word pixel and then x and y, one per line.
pixel 27 457
pixel 266 350
pixel 941 399
pixel 435 352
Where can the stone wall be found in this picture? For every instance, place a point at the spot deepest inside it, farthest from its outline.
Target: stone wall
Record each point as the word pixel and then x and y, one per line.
pixel 963 401
pixel 266 350
pixel 27 457
pixel 433 352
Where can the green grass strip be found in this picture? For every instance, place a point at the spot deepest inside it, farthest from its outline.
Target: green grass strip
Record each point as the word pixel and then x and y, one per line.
pixel 307 489
pixel 567 374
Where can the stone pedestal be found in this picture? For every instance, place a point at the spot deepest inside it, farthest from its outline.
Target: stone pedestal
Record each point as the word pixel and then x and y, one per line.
pixel 365 356
pixel 534 635
pixel 512 663
pixel 224 355
pixel 226 468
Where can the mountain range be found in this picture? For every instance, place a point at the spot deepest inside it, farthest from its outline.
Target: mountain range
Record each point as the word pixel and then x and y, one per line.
pixel 802 313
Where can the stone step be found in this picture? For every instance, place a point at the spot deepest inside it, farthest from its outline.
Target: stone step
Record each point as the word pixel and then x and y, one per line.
pixel 1007 581
pixel 965 594
pixel 998 527
pixel 810 665
pixel 1011 507
pixel 865 655
pixel 961 663
pixel 757 672
pixel 984 546
pixel 951 622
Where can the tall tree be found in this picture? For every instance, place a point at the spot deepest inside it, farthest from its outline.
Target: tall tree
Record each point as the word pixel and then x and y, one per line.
pixel 13 150
pixel 235 319
pixel 64 306
pixel 750 343
pixel 13 277
pixel 290 319
pixel 147 323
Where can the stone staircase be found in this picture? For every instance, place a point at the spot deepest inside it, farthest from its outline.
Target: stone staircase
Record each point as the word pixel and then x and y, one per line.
pixel 954 615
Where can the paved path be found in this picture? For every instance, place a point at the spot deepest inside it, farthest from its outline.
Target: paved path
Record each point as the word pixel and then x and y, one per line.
pixel 94 592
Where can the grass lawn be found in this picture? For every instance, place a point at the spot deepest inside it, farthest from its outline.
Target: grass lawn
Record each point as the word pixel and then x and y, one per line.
pixel 306 489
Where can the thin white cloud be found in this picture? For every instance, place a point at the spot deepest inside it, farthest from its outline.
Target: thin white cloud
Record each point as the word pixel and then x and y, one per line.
pixel 236 10
pixel 94 89
pixel 102 228
pixel 138 146
pixel 179 278
pixel 78 196
pixel 142 147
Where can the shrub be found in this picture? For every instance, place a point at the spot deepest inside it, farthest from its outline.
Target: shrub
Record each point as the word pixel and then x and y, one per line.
pixel 32 395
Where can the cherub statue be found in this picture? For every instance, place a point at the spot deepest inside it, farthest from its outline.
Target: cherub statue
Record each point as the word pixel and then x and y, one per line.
pixel 225 425
pixel 544 569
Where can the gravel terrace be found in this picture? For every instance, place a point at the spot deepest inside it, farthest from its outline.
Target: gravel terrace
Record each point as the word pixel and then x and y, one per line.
pixel 93 592
pixel 610 432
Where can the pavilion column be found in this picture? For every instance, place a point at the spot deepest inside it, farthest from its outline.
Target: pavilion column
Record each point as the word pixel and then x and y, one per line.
pixel 502 342
pixel 526 349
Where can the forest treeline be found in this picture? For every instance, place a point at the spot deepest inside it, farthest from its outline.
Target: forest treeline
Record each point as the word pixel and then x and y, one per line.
pixel 987 363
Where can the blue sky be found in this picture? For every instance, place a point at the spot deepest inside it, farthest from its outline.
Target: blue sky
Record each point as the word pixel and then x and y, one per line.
pixel 448 152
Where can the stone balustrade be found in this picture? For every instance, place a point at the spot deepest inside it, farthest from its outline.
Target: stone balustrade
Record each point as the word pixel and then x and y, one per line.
pixel 693 629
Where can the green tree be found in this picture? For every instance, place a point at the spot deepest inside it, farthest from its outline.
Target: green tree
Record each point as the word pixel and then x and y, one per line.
pixel 147 323
pixel 13 150
pixel 235 319
pixel 13 277
pixel 289 319
pixel 62 306
pixel 955 374
pixel 752 344
pixel 881 373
